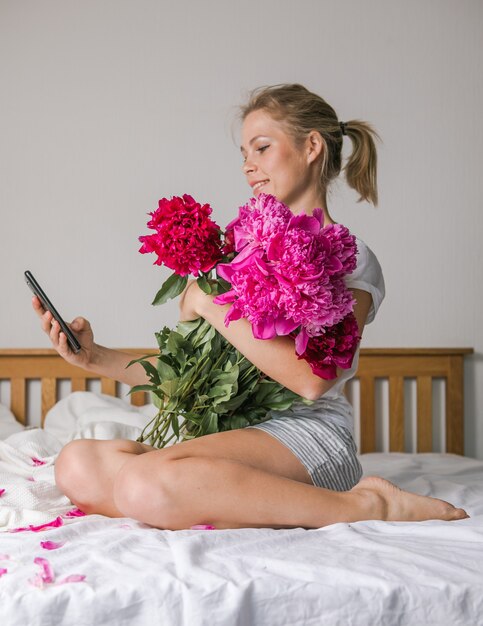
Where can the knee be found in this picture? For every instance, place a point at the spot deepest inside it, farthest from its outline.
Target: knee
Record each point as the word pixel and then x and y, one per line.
pixel 72 467
pixel 146 491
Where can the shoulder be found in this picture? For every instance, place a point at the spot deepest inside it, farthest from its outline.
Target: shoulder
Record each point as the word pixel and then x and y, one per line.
pixel 368 276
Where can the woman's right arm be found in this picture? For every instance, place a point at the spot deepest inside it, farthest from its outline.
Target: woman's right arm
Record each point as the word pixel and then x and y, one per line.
pixel 92 357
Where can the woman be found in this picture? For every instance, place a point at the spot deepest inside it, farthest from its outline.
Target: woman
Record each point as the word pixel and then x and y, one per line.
pixel 299 469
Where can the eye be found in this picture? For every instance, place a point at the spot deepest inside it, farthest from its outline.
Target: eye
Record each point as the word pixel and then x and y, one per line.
pixel 262 148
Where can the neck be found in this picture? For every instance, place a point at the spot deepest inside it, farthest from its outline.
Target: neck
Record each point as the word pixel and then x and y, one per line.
pixel 310 201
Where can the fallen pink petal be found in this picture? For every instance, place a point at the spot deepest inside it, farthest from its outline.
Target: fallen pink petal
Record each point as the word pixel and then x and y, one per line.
pixel 54 524
pixel 37 461
pixel 73 578
pixel 203 527
pixel 31 478
pixel 4 557
pixel 47 574
pixel 3 571
pixel 51 545
pixel 2 491
pixel 74 513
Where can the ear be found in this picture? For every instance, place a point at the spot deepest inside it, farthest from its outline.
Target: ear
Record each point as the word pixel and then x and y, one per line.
pixel 314 145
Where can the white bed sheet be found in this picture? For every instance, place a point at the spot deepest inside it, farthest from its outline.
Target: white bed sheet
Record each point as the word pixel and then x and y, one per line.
pixel 359 573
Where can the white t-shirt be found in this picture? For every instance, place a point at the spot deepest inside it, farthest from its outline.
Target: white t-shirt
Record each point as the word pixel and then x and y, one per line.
pixel 333 406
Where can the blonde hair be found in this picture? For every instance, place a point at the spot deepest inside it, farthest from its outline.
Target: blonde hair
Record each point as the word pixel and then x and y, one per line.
pixel 302 112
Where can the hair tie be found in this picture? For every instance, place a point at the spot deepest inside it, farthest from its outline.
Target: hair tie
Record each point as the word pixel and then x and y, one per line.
pixel 343 127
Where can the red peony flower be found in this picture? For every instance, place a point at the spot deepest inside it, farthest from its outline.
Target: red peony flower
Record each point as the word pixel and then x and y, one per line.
pixel 335 348
pixel 186 239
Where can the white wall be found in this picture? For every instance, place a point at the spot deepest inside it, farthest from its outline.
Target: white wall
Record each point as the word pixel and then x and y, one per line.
pixel 108 105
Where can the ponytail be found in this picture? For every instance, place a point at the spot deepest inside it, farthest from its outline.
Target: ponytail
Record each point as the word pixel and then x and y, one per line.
pixel 361 168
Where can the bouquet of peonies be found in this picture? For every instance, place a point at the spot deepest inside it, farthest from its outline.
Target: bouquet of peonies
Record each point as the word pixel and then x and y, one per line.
pixel 283 273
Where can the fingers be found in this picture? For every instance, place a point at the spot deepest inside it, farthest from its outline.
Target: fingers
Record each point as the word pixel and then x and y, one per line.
pixel 37 306
pixel 58 339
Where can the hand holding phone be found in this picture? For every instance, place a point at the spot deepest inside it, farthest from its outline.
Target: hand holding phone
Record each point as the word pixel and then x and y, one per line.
pixel 48 306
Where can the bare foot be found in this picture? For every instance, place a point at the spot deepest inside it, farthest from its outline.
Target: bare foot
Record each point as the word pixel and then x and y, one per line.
pixel 388 502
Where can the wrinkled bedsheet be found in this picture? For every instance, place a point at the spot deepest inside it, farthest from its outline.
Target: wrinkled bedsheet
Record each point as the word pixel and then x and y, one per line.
pixel 96 570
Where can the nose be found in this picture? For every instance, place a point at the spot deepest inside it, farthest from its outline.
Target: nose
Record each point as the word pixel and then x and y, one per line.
pixel 248 167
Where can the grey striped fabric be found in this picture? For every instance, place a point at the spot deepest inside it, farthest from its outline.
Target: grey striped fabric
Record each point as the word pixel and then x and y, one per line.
pixel 327 451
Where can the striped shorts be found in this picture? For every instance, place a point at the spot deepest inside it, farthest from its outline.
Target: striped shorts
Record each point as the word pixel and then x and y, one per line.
pixel 326 450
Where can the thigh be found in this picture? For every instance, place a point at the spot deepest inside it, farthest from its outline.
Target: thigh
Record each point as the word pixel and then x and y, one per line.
pixel 245 445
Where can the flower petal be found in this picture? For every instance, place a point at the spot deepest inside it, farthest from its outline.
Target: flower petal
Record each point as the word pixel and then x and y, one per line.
pixel 54 524
pixel 51 545
pixel 3 571
pixel 74 513
pixel 37 461
pixel 2 491
pixel 47 569
pixel 203 527
pixel 73 578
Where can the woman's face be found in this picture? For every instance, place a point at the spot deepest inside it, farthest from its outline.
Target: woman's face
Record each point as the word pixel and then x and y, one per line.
pixel 272 163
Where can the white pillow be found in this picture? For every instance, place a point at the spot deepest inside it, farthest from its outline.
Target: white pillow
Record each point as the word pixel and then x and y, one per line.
pixel 8 423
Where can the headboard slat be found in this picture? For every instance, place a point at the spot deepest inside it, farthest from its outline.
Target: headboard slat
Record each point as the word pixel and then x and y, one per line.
pixel 49 396
pixel 368 414
pixel 424 408
pixel 108 386
pixel 78 384
pixel 18 399
pixel 455 407
pixel 396 414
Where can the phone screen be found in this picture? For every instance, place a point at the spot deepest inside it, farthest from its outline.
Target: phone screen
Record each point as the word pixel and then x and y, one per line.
pixel 48 306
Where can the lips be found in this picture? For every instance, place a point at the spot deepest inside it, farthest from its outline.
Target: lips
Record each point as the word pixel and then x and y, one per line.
pixel 259 184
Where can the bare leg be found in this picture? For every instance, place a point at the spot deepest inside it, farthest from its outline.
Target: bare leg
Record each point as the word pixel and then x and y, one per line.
pixel 218 479
pixel 179 493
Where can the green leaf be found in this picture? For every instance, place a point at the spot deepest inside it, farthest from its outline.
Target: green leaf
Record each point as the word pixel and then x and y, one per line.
pixel 166 372
pixel 220 393
pixel 171 288
pixel 210 423
pixel 185 328
pixel 151 371
pixel 169 387
pixel 281 405
pixel 204 284
pixel 175 342
pixel 175 425
pixel 137 388
pixel 233 403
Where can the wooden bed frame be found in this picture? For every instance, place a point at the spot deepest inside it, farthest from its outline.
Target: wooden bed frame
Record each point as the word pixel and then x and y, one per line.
pixel 18 366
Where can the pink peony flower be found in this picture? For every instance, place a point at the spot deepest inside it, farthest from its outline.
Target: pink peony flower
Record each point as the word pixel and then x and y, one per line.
pixel 186 239
pixel 289 273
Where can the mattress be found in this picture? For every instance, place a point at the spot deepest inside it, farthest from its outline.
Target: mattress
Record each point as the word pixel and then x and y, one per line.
pixel 119 571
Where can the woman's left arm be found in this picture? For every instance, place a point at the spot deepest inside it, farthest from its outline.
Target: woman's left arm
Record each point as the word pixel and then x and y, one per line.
pixel 275 357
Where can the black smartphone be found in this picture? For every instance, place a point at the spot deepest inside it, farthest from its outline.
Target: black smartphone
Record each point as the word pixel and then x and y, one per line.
pixel 48 306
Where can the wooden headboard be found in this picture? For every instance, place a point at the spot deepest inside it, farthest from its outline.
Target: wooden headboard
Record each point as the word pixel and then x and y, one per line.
pixel 424 365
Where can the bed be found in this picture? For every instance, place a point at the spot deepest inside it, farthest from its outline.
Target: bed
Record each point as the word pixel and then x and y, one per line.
pixel 59 567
